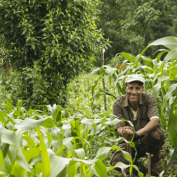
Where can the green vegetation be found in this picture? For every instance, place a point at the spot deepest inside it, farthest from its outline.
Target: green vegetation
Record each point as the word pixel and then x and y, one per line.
pixel 52 117
pixel 48 43
pixel 132 25
pixel 78 139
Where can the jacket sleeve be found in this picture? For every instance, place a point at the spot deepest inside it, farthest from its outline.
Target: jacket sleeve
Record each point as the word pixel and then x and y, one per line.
pixel 152 107
pixel 118 111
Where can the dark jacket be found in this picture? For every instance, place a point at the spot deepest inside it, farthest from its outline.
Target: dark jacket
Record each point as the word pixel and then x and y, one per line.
pixel 147 108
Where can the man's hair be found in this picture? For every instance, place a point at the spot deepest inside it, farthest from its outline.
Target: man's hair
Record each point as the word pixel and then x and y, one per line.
pixel 138 82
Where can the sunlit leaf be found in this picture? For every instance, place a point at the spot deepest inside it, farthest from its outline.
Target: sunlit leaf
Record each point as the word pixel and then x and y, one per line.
pixel 100 169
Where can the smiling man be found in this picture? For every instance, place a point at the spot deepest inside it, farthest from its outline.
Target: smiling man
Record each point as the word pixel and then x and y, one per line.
pixel 141 109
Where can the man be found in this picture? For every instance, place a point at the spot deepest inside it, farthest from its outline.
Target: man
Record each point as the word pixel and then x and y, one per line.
pixel 141 109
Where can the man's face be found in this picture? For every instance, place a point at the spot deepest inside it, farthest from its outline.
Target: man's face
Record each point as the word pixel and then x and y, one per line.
pixel 134 91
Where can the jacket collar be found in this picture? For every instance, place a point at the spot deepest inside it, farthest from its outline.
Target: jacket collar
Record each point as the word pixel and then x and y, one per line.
pixel 126 104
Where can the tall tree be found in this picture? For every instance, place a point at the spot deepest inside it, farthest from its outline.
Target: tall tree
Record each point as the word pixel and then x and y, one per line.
pixel 49 42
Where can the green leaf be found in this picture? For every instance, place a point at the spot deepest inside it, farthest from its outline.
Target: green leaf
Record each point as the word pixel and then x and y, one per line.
pixel 2 174
pixel 80 153
pixel 57 163
pixel 11 138
pixel 30 153
pixel 102 152
pixel 127 156
pixel 72 169
pixel 128 56
pixel 5 149
pixel 29 124
pixel 100 168
pixel 1 160
pixel 18 170
pixel 173 70
pixel 95 71
pixel 48 123
pixel 171 157
pixel 170 42
pixel 45 158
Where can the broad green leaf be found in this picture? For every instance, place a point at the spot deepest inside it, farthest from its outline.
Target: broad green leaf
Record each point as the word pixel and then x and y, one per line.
pixel 169 93
pixel 80 153
pixel 67 130
pixel 48 123
pixel 100 168
pixel 45 157
pixel 171 157
pixel 30 153
pixel 139 173
pixel 95 71
pixel 7 165
pixel 72 169
pixel 3 116
pixel 170 42
pixel 127 156
pixel 11 138
pixel 109 70
pixel 29 124
pixel 5 149
pixel 30 141
pixel 69 145
pixel 172 125
pixel 120 165
pixel 55 112
pixel 57 163
pixel 102 152
pixel 18 170
pixel 173 70
pixel 128 56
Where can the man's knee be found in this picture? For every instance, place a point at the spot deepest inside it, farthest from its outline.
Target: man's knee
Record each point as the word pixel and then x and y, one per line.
pixel 118 157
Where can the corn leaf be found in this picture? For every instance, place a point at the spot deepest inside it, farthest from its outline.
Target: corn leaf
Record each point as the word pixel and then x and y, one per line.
pixel 45 158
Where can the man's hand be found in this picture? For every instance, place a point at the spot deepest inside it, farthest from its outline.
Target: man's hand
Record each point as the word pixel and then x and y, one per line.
pixel 127 132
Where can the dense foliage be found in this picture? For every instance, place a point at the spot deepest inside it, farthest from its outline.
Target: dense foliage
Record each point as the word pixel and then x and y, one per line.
pixel 132 25
pixel 49 42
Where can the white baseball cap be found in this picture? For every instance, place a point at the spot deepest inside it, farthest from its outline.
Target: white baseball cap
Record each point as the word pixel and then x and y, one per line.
pixel 134 77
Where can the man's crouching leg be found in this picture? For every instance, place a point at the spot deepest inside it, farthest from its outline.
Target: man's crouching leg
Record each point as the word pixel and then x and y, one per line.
pixel 156 142
pixel 118 157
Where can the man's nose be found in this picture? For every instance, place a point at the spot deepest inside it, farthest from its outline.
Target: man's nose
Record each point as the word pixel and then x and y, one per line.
pixel 134 91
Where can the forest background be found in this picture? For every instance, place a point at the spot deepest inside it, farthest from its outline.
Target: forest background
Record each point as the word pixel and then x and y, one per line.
pixel 132 25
